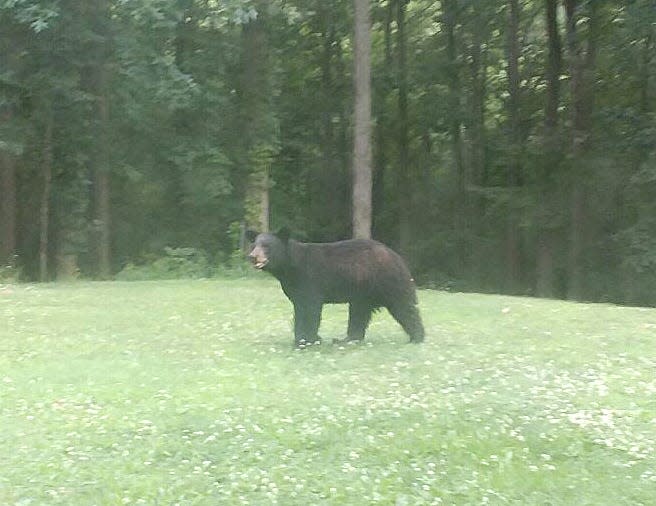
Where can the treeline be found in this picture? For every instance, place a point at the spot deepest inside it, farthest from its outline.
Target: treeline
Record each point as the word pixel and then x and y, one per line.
pixel 514 141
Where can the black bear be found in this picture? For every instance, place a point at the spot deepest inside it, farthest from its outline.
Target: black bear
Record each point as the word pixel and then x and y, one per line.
pixel 365 273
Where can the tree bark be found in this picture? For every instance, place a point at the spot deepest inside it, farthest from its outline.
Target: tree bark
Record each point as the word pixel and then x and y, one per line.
pixel 479 32
pixel 98 15
pixel 513 255
pixel 7 209
pixel 405 176
pixel 44 214
pixel 582 62
pixel 554 69
pixel 258 137
pixel 265 199
pixel 362 152
pixel 479 90
pixel 545 263
pixel 102 186
pixel 514 92
pixel 647 68
pixel 183 33
pixel 385 119
pixel 450 15
pixel 331 180
pixel 460 223
pixel 103 217
pixel 327 133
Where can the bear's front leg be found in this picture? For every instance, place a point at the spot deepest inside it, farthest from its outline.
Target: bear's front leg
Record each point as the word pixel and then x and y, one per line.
pixel 307 316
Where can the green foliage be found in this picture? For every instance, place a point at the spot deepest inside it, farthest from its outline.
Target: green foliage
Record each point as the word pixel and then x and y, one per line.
pixel 192 263
pixel 235 264
pixel 177 263
pixel 10 273
pixel 200 110
pixel 191 393
pixel 37 14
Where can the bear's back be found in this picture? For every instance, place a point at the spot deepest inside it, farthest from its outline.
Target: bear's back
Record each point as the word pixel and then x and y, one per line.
pixel 356 268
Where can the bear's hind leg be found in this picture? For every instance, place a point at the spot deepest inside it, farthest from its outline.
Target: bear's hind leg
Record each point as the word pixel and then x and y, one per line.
pixel 408 316
pixel 359 318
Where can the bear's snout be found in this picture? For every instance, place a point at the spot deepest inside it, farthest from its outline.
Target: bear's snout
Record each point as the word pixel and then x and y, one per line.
pixel 257 258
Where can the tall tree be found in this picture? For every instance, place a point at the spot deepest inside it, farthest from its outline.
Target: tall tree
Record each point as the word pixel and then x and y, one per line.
pixel 513 256
pixel 406 186
pixel 450 15
pixel 331 175
pixel 7 209
pixel 95 14
pixel 11 144
pixel 545 275
pixel 102 184
pixel 362 151
pixel 386 211
pixel 45 214
pixel 259 130
pixel 7 199
pixel 478 70
pixel 102 179
pixel 481 19
pixel 582 36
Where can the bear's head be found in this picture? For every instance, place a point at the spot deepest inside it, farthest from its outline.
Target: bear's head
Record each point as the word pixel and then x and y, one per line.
pixel 268 251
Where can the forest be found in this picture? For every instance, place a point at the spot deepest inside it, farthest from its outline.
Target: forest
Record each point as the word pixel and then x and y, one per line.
pixel 513 141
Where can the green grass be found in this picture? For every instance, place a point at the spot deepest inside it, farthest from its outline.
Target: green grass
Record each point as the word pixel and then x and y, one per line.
pixel 191 393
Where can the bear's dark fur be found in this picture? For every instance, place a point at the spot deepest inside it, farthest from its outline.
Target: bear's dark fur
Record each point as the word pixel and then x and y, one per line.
pixel 364 273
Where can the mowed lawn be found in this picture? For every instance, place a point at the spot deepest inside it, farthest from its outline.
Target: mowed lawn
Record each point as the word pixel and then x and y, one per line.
pixel 190 392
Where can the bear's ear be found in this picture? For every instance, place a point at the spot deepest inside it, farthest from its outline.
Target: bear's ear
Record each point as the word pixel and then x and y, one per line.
pixel 250 235
pixel 283 234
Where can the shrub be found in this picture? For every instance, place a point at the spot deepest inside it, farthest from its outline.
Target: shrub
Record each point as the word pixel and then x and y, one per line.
pixel 177 263
pixel 10 273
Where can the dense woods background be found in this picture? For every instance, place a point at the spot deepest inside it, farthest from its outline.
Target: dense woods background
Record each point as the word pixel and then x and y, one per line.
pixel 514 141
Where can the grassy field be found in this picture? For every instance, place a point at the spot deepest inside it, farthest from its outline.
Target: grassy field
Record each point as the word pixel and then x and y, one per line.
pixel 191 393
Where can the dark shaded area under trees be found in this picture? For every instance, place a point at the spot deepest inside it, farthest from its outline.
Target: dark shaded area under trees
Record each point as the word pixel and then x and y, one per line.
pixel 514 141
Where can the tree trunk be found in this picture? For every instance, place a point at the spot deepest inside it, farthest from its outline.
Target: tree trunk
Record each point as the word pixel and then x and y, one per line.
pixel 102 185
pixel 327 133
pixel 258 136
pixel 460 223
pixel 405 177
pixel 7 209
pixel 646 70
pixel 44 214
pixel 582 61
pixel 98 15
pixel 362 153
pixel 385 120
pixel 514 93
pixel 389 18
pixel 103 219
pixel 331 180
pixel 343 136
pixel 545 264
pixel 513 256
pixel 265 211
pixel 479 90
pixel 183 33
pixel 476 126
pixel 554 69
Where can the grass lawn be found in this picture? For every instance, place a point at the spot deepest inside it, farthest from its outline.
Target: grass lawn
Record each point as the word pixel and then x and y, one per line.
pixel 191 393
